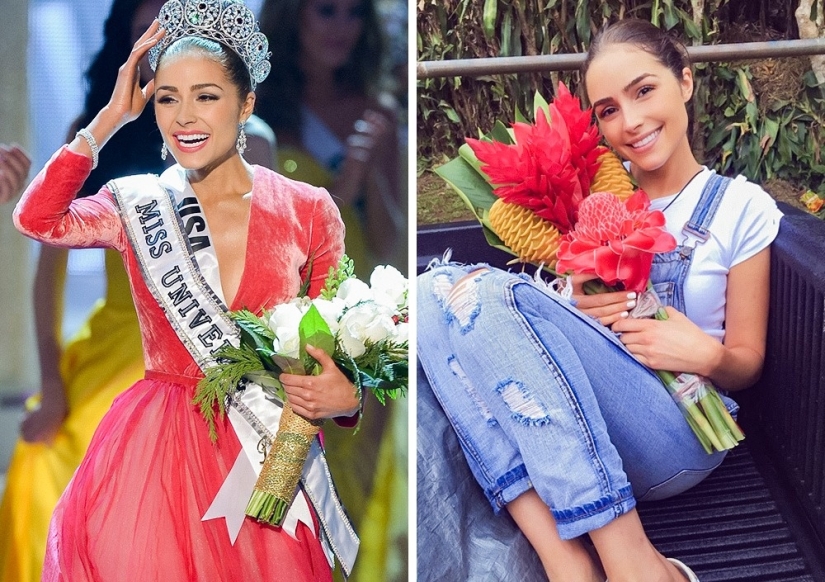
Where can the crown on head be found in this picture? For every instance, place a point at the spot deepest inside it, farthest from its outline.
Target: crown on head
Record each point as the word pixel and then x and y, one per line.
pixel 227 21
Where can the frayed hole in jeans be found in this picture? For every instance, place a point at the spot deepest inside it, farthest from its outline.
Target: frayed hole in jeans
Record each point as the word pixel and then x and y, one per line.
pixel 526 408
pixel 456 369
pixel 462 302
pixel 442 284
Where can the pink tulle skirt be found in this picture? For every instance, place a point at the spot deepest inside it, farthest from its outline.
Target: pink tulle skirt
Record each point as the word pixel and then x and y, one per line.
pixel 133 510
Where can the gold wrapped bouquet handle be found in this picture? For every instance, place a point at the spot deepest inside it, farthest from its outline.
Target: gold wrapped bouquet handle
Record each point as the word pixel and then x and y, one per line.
pixel 282 468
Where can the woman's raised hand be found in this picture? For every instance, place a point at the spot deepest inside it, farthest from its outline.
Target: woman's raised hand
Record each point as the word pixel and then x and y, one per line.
pixel 14 169
pixel 370 135
pixel 608 308
pixel 129 99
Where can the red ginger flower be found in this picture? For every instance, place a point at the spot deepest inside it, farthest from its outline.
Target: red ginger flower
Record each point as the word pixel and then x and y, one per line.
pixel 549 168
pixel 615 241
pixel 584 135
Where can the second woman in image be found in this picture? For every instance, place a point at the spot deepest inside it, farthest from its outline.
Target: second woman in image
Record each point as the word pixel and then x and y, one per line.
pixel 559 415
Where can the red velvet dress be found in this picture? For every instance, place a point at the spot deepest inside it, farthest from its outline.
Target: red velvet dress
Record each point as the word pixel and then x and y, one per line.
pixel 133 509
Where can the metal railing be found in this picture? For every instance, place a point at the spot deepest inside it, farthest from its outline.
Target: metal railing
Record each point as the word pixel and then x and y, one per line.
pixel 573 61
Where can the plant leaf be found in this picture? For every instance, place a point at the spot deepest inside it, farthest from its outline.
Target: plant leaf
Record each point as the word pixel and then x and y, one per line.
pixel 473 189
pixel 315 331
pixel 501 133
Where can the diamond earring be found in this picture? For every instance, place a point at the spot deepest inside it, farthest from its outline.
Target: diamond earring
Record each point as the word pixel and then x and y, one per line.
pixel 164 151
pixel 240 145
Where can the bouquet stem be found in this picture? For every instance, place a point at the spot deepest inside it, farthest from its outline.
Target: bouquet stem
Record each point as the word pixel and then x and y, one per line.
pixel 701 405
pixel 696 418
pixel 282 468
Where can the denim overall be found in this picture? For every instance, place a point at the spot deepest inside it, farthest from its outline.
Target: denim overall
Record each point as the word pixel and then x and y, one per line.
pixel 670 269
pixel 542 396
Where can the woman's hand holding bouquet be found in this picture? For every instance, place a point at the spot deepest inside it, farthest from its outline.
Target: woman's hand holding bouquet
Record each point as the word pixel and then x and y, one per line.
pixel 326 395
pixel 675 343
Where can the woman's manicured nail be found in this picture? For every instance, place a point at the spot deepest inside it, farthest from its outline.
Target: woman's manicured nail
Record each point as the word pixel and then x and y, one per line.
pixel 624 314
pixel 631 304
pixel 631 295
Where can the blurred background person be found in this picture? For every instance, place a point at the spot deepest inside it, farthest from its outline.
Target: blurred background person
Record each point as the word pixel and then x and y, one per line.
pixel 14 169
pixel 338 127
pixel 79 380
pixel 335 127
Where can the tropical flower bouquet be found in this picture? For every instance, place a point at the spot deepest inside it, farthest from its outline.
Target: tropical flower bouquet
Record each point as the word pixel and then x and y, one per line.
pixel 525 183
pixel 550 195
pixel 616 241
pixel 362 327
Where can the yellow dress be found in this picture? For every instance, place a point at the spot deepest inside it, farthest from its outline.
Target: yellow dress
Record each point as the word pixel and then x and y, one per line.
pixel 370 468
pixel 102 360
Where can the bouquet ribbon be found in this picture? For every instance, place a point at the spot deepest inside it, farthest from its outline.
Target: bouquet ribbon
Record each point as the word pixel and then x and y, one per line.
pixel 230 501
pixel 202 325
pixel 254 416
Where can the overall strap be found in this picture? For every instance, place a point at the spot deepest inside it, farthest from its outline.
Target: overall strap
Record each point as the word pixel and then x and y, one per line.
pixel 707 206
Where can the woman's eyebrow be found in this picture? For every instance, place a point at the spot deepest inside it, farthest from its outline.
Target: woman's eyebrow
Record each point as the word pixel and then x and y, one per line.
pixel 626 88
pixel 197 87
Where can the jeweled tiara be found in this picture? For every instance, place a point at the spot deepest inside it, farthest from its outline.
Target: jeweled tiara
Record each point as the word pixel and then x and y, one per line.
pixel 227 21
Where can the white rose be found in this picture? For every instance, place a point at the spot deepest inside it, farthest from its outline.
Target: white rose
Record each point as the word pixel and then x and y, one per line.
pixel 389 286
pixel 287 314
pixel 287 342
pixel 367 322
pixel 284 321
pixel 331 311
pixel 401 333
pixel 353 291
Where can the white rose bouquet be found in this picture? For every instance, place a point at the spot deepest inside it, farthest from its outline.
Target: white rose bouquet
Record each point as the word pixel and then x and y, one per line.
pixel 364 330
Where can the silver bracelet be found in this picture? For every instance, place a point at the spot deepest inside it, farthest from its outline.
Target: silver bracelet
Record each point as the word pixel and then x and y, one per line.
pixel 90 139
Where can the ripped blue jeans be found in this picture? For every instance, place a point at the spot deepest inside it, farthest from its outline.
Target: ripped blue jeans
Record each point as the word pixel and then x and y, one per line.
pixel 542 396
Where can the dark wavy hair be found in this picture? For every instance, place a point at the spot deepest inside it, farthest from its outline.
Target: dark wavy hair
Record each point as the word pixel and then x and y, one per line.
pixel 280 96
pixel 135 148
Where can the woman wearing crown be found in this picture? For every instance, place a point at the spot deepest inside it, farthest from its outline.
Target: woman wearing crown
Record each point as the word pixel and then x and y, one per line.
pixel 154 497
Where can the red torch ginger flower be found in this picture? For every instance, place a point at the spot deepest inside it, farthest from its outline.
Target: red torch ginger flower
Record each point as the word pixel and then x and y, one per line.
pixel 615 241
pixel 549 168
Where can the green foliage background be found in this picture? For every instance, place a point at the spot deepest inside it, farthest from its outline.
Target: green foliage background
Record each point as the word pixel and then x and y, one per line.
pixel 764 119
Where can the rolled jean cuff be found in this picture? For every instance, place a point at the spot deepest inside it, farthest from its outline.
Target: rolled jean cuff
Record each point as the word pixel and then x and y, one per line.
pixel 577 521
pixel 507 487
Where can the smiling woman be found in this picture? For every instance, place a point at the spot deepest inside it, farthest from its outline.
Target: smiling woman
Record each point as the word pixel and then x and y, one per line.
pixel 151 465
pixel 552 396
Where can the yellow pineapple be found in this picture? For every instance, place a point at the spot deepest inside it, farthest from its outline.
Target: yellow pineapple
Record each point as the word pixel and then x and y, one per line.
pixel 612 177
pixel 528 235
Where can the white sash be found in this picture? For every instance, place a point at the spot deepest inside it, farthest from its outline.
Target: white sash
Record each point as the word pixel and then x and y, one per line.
pixel 172 274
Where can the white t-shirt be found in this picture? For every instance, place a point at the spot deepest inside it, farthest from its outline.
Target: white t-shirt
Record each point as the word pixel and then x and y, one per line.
pixel 746 222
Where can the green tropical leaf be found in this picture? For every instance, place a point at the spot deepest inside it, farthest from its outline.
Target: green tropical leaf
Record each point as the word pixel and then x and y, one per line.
pixel 501 132
pixel 469 156
pixel 256 335
pixel 540 103
pixel 290 365
pixel 744 85
pixel 473 189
